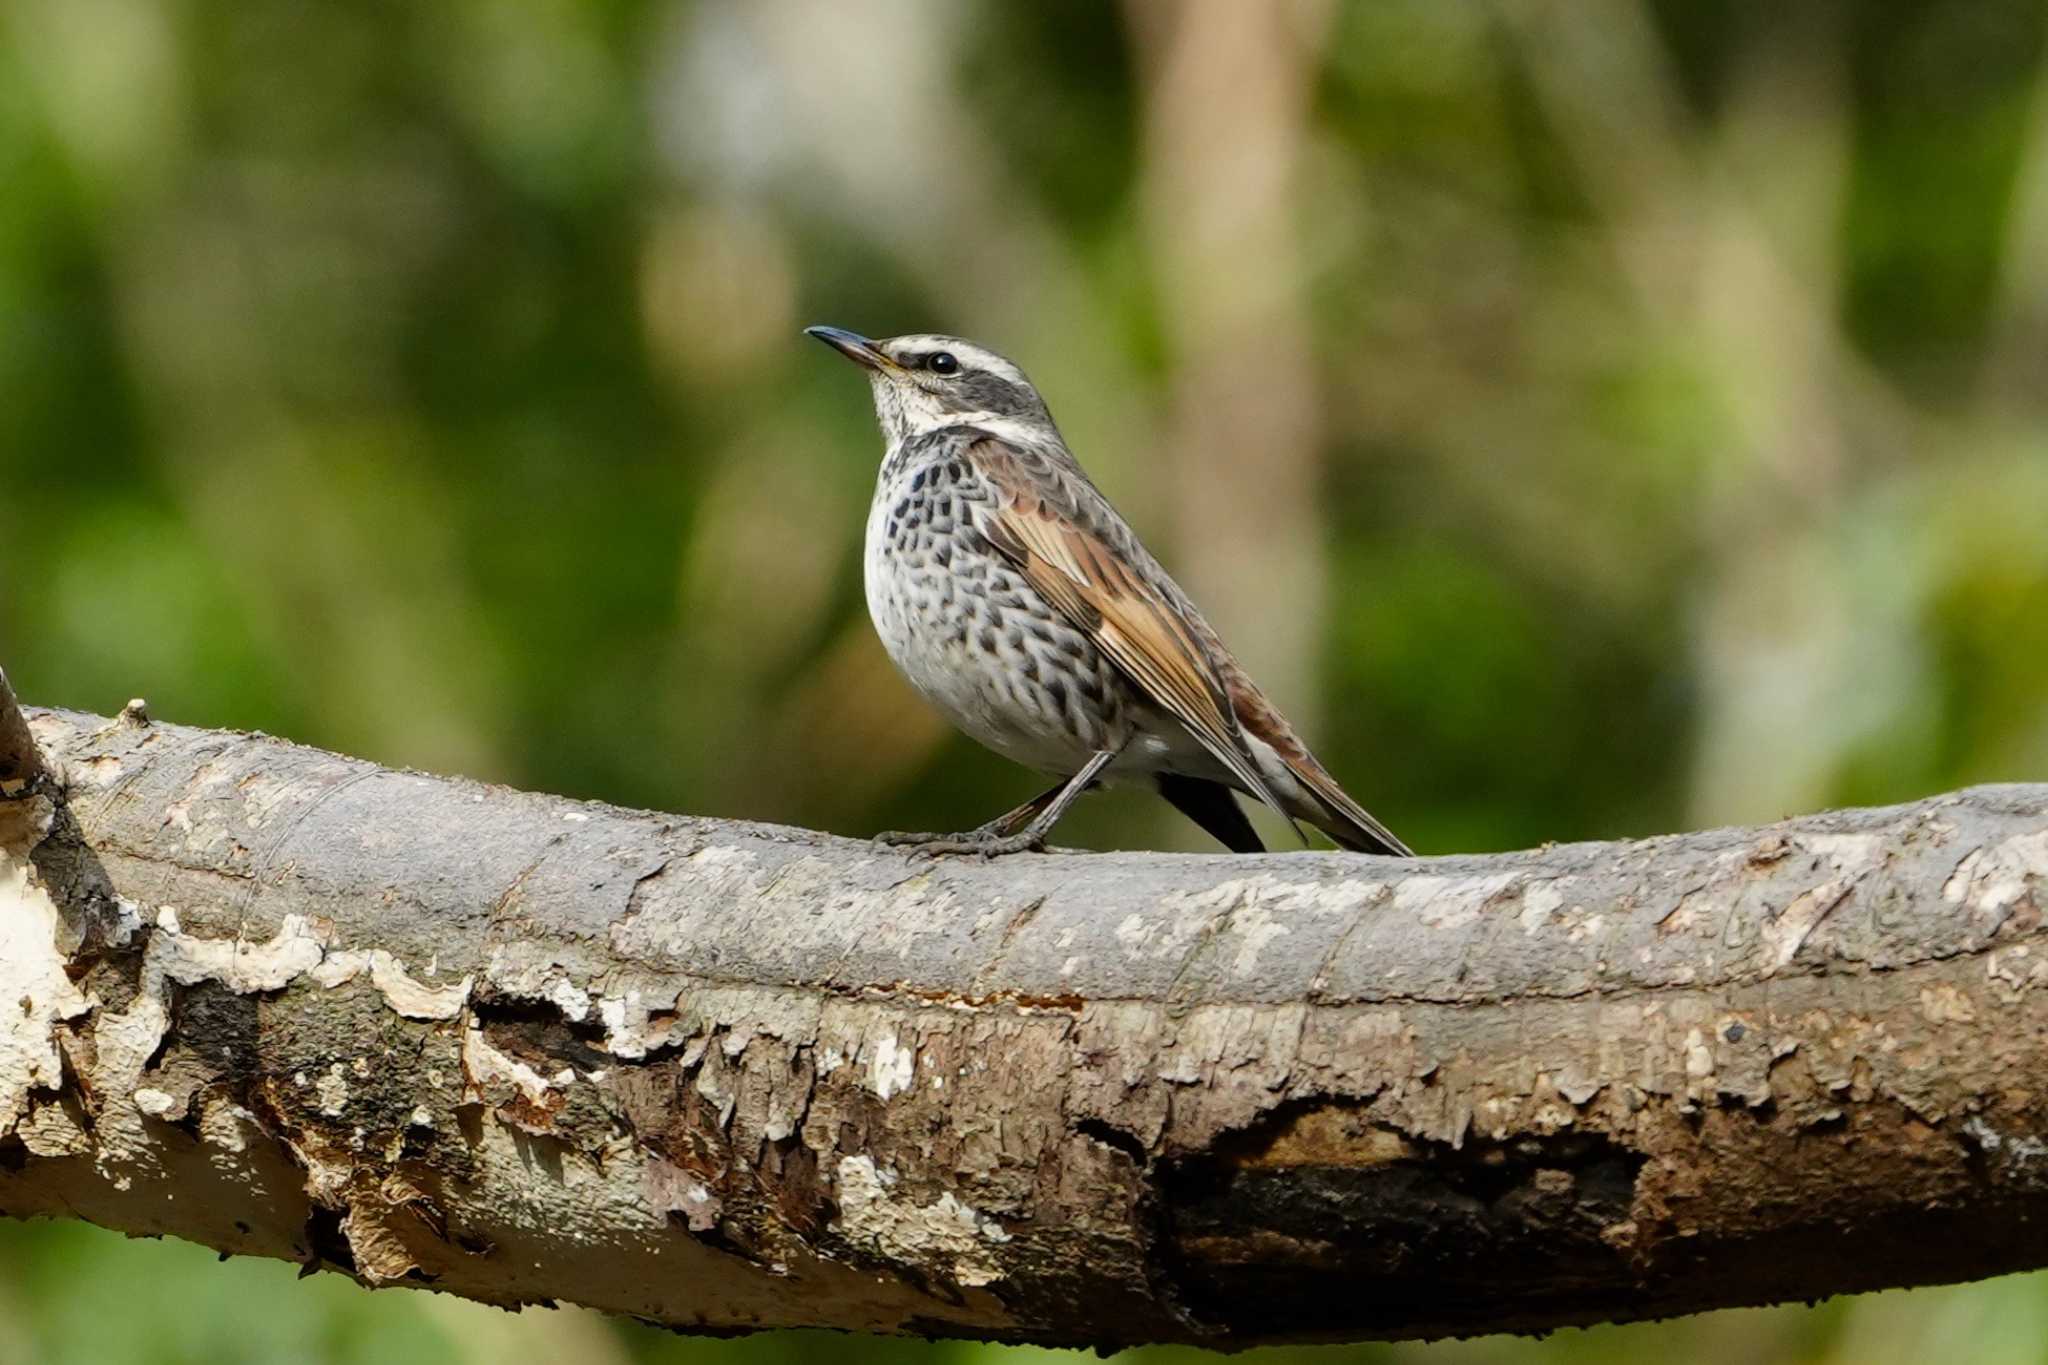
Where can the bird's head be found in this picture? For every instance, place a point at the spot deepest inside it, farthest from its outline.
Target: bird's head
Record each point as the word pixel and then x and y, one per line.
pixel 923 381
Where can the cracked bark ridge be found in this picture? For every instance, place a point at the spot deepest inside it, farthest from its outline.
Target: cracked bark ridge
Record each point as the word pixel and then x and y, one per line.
pixel 724 1076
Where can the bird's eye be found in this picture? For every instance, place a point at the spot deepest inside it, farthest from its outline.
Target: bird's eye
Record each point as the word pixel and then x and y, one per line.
pixel 942 362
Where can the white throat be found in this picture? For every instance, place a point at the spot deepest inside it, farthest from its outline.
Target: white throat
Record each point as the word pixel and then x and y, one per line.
pixel 995 423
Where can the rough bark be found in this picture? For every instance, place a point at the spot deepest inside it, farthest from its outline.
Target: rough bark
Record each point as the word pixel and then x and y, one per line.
pixel 726 1076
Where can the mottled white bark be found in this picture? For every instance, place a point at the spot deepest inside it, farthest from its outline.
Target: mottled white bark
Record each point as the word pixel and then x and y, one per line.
pixel 727 1076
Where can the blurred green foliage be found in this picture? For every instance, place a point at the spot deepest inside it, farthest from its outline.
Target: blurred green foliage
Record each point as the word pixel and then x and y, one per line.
pixel 1589 420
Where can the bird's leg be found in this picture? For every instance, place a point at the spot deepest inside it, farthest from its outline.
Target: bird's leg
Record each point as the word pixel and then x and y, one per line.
pixel 1015 831
pixel 1009 822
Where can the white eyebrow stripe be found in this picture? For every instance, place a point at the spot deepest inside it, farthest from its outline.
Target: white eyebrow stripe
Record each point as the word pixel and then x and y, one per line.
pixel 966 352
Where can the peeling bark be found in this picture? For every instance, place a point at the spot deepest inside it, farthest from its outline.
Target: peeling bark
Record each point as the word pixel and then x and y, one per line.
pixel 725 1076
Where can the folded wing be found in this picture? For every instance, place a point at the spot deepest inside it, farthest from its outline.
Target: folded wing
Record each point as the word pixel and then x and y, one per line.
pixel 1161 643
pixel 1098 589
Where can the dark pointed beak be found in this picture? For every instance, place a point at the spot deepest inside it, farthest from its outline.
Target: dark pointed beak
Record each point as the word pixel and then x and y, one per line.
pixel 853 346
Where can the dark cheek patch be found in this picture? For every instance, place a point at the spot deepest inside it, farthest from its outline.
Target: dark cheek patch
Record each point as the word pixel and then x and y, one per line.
pixel 993 393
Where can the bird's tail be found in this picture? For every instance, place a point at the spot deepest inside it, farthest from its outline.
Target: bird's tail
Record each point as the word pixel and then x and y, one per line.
pixel 1331 810
pixel 1358 831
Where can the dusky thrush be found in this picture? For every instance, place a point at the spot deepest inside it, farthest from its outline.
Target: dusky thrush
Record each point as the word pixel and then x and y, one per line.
pixel 1021 605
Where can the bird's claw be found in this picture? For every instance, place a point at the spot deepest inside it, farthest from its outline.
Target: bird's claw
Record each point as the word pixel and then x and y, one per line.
pixel 986 843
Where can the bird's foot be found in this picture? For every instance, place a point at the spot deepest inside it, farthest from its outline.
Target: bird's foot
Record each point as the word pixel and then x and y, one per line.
pixel 989 841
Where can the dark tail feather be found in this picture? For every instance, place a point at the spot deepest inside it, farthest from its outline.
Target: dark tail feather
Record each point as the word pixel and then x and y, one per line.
pixel 1348 824
pixel 1361 833
pixel 1214 807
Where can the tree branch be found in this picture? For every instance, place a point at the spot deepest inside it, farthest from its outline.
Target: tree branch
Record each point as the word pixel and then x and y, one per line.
pixel 727 1076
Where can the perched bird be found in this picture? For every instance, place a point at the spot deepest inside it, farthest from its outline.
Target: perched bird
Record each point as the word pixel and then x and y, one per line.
pixel 1018 602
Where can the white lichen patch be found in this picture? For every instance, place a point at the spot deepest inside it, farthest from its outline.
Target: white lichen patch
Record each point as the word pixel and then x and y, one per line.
pixel 412 998
pixel 1685 916
pixel 126 924
pixel 522 969
pixel 332 1088
pixel 1993 879
pixel 339 967
pixel 2018 1152
pixel 1699 1057
pixel 1540 900
pixel 570 999
pixel 35 992
pixel 1851 854
pixel 1255 927
pixel 243 967
pixel 228 1126
pixel 1447 902
pixel 489 1070
pixel 1182 917
pixel 1785 935
pixel 873 1213
pixel 892 1069
pixel 631 1030
pixel 155 1103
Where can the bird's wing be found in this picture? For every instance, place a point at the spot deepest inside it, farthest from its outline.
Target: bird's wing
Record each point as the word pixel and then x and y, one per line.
pixel 1102 588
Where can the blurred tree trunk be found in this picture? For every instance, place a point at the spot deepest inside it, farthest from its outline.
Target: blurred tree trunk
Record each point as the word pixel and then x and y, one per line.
pixel 730 1076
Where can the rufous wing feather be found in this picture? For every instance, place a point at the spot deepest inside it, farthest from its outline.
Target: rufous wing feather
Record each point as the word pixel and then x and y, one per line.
pixel 1129 620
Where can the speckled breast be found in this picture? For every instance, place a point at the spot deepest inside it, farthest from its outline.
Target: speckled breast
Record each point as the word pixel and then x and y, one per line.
pixel 971 635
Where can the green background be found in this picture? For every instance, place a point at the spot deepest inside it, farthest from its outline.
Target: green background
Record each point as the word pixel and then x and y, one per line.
pixel 1587 419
